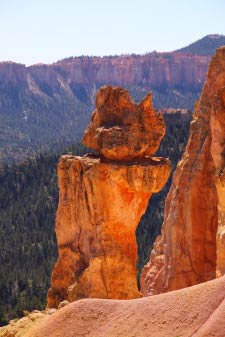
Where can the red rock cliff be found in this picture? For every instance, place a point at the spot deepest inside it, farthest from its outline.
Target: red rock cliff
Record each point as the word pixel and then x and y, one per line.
pixel 152 70
pixel 191 247
pixel 216 93
pixel 101 202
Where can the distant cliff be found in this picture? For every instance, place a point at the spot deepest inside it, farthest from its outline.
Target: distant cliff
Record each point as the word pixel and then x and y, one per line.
pixel 43 105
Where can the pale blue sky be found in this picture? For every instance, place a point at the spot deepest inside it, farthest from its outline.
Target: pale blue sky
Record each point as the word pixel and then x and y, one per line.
pixel 33 31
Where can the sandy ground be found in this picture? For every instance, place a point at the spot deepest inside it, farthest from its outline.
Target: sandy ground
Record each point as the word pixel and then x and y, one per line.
pixel 196 311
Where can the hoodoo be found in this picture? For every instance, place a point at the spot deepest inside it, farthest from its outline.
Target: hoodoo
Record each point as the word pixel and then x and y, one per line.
pixel 121 130
pixel 191 248
pixel 102 198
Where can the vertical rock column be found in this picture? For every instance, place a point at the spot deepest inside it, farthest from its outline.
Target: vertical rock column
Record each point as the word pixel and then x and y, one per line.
pixel 102 199
pixel 217 122
pixel 185 253
pixel 191 248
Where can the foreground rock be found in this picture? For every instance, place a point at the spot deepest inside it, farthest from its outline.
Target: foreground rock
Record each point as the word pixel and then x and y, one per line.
pixel 100 205
pixel 192 312
pixel 192 246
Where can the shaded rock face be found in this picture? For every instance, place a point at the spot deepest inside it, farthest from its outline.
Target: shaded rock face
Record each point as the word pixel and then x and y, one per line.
pixel 100 205
pixel 191 248
pixel 121 129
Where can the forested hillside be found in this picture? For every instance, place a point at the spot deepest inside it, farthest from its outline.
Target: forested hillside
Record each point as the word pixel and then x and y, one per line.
pixel 205 46
pixel 28 201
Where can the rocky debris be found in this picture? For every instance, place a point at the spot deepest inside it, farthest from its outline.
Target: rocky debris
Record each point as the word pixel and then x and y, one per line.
pixel 191 248
pixel 63 304
pixel 121 129
pixel 197 311
pixel 20 327
pixel 101 201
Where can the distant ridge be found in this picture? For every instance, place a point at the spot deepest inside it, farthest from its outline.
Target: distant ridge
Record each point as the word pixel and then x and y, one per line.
pixel 206 46
pixel 48 105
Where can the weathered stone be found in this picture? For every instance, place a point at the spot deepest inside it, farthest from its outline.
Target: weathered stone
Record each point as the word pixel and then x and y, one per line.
pixel 121 129
pixel 216 94
pixel 102 201
pixel 192 246
pixel 185 254
pixel 100 206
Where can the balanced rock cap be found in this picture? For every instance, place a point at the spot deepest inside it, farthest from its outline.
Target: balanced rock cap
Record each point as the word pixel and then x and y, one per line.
pixel 122 130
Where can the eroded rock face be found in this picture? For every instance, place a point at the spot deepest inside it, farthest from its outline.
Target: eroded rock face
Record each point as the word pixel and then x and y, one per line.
pixel 216 89
pixel 191 248
pixel 99 208
pixel 100 205
pixel 185 254
pixel 121 129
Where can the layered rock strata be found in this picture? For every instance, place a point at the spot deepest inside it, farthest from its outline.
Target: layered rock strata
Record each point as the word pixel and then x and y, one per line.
pixel 192 245
pixel 100 204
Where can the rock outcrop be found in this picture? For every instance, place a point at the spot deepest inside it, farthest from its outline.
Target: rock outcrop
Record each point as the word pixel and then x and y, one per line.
pixel 101 203
pixel 192 245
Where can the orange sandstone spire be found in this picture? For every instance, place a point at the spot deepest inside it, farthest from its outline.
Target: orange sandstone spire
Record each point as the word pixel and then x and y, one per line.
pixel 102 199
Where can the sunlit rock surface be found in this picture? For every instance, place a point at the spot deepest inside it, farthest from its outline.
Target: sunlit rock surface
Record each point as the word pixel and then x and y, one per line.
pixel 101 202
pixel 192 246
pixel 121 129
